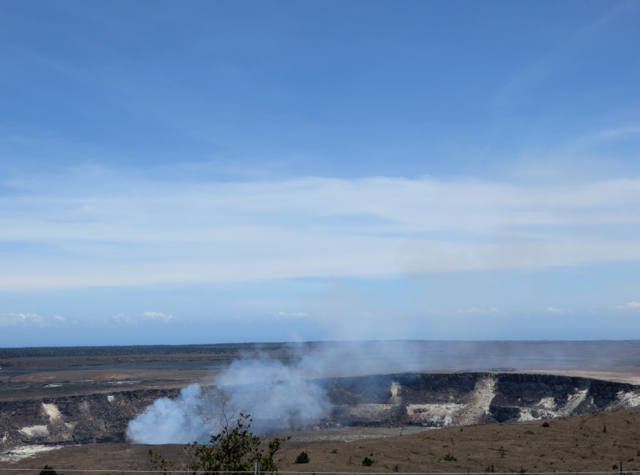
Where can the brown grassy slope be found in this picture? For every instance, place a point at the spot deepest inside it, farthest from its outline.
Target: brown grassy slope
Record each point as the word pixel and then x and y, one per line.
pixel 570 444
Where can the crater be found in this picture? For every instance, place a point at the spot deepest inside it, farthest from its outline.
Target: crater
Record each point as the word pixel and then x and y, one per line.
pixel 374 405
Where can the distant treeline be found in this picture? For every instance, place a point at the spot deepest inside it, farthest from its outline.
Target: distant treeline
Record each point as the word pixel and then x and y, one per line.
pixel 132 350
pixel 545 349
pixel 217 348
pixel 52 351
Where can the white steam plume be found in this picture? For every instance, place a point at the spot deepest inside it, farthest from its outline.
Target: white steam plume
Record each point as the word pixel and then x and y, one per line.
pixel 278 396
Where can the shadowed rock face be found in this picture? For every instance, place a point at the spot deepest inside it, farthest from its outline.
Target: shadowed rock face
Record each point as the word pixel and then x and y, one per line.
pixel 440 400
pixel 83 419
pixel 431 400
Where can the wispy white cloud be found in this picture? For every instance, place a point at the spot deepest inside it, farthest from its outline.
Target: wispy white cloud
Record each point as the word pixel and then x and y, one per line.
pixel 102 229
pixel 479 311
pixel 279 315
pixel 555 60
pixel 630 305
pixel 158 316
pixel 33 320
pixel 558 310
pixel 21 319
pixel 121 319
pixel 619 132
pixel 144 319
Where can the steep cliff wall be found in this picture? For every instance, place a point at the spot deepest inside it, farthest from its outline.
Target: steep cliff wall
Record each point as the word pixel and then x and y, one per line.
pixel 440 400
pixel 83 419
pixel 434 400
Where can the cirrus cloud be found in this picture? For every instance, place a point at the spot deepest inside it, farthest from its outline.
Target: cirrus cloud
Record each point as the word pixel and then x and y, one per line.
pixel 85 231
pixel 630 305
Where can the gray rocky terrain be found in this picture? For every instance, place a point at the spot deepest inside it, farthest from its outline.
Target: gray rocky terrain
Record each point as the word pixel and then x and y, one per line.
pixel 394 400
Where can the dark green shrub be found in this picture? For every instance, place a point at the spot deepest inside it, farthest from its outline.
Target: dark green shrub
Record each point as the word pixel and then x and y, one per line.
pixel 367 462
pixel 449 458
pixel 545 424
pixel 47 470
pixel 234 449
pixel 302 457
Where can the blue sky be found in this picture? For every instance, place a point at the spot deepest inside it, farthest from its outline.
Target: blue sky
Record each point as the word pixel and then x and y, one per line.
pixel 208 172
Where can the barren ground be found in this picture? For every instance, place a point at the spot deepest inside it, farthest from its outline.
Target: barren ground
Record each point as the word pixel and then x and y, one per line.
pixel 571 444
pixel 24 376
